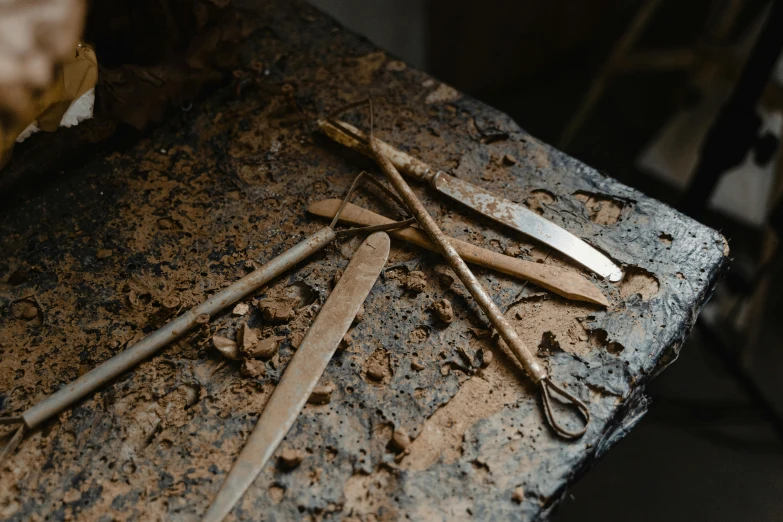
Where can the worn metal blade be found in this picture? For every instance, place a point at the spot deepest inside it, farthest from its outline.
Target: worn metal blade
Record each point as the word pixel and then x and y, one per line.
pixel 303 371
pixel 520 218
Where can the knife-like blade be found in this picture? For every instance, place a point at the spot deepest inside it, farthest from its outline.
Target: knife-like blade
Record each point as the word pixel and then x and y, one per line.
pixel 303 372
pixel 485 202
pixel 528 222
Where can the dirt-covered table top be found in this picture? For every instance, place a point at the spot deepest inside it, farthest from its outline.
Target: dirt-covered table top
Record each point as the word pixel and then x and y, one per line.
pixel 109 249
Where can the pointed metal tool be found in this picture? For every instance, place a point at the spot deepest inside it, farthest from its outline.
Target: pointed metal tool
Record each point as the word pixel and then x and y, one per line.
pixel 37 414
pixel 486 203
pixel 303 372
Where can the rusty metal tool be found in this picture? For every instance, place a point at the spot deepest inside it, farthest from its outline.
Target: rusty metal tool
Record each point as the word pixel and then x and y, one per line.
pixel 486 203
pixel 560 281
pixel 303 371
pixel 108 370
pixel 532 365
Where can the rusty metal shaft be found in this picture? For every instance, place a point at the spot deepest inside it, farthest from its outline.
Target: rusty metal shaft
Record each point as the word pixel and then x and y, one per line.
pixel 530 362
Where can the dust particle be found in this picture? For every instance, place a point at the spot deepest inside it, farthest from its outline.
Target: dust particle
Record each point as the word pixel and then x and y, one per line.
pixel 265 348
pixel 240 309
pixel 377 367
pixel 418 335
pixel 400 439
pixel 416 282
pixel 278 311
pixel 443 94
pixel 226 347
pixel 322 394
pixel 253 369
pixel 443 310
pixel 291 458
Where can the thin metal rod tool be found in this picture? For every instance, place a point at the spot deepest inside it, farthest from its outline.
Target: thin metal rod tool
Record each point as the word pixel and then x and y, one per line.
pixel 532 365
pixel 132 356
pixel 565 283
pixel 303 372
pixel 488 204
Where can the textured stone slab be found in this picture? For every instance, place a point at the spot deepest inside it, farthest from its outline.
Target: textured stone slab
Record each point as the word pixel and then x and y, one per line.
pixel 193 205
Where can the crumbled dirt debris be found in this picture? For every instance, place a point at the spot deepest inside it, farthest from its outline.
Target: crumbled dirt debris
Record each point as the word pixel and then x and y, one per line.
pixel 519 495
pixel 443 94
pixel 396 66
pixel 246 337
pixel 443 310
pixel 104 253
pixel 416 281
pixel 509 159
pixel 602 210
pixel 226 347
pixel 485 357
pixel 419 335
pixel 557 319
pixel 665 238
pixel 291 458
pixel 240 309
pixel 400 439
pixel 639 281
pixel 278 310
pixel 322 394
pixel 512 250
pixel 253 369
pixel 264 348
pixel 24 309
pixel 378 367
pixel 296 339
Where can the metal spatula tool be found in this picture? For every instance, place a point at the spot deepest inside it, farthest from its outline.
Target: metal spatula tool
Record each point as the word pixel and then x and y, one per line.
pixel 303 372
pixel 483 201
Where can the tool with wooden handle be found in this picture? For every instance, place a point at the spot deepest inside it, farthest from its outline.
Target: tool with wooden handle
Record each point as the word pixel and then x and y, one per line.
pixel 303 371
pixel 483 201
pixel 564 283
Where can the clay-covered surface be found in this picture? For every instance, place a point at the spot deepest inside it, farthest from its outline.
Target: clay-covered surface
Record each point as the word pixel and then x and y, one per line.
pixel 189 209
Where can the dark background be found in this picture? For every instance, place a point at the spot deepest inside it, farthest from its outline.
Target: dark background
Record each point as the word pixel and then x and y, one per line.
pixel 705 450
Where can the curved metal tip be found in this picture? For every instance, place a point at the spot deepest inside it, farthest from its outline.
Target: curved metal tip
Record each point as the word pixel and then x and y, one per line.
pixel 546 384
pixel 15 440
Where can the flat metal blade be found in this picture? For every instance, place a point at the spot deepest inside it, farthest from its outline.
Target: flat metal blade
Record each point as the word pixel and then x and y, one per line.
pixel 303 371
pixel 524 220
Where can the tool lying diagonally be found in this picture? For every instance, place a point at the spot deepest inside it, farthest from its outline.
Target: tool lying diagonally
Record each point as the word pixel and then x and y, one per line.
pixel 532 365
pixel 303 371
pixel 488 204
pixel 35 415
pixel 562 282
